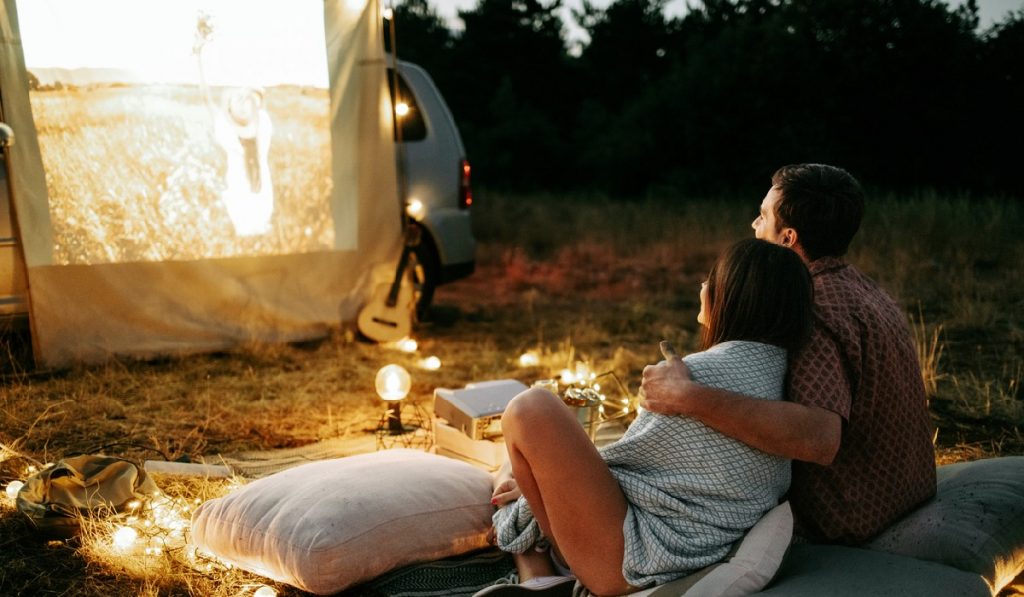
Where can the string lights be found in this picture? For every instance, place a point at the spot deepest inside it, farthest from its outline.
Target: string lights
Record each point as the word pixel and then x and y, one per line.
pixel 580 387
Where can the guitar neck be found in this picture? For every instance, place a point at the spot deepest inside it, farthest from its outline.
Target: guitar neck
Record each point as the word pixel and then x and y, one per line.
pixel 396 285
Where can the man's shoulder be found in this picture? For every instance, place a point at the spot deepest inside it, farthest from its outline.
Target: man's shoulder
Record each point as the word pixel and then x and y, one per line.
pixel 844 292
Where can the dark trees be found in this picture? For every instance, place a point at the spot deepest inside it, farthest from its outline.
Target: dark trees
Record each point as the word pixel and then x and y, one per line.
pixel 904 93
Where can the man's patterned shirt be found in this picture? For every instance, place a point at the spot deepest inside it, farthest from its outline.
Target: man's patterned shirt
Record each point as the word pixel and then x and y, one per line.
pixel 861 363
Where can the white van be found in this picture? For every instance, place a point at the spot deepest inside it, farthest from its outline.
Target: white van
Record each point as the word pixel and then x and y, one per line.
pixel 436 186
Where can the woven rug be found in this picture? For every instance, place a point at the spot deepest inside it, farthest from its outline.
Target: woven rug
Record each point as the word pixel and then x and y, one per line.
pixel 452 577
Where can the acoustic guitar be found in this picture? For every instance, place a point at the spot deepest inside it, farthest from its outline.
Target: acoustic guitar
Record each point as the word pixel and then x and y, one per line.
pixel 388 315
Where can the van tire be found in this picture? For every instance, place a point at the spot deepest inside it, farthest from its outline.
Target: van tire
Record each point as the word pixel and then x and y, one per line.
pixel 426 271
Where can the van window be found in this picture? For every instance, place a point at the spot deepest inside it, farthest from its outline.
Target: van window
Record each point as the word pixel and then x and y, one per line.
pixel 410 118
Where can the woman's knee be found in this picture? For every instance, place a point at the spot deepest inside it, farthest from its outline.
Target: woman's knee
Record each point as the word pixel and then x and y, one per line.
pixel 530 407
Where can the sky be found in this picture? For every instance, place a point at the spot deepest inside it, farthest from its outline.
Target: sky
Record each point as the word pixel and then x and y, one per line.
pixel 990 11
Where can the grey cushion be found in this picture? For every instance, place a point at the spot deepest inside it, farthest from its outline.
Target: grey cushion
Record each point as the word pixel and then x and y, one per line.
pixel 974 523
pixel 836 571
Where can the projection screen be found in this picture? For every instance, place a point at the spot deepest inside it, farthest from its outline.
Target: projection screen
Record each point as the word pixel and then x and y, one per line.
pixel 190 174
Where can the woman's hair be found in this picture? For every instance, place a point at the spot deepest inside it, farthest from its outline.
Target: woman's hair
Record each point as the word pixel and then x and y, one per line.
pixel 761 292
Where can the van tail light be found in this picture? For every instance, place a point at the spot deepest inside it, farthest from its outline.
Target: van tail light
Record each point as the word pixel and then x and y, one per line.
pixel 465 188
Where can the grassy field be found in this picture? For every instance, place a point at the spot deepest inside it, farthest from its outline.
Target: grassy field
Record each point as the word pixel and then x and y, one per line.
pixel 570 278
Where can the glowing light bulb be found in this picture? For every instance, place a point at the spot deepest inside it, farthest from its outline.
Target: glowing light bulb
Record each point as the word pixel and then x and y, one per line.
pixel 431 363
pixel 568 376
pixel 407 345
pixel 125 537
pixel 401 109
pixel 265 591
pixel 388 14
pixel 392 382
pixel 529 359
pixel 415 207
pixel 13 488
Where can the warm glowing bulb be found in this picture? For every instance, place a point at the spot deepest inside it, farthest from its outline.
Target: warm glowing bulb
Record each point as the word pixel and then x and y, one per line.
pixel 388 13
pixel 401 109
pixel 431 363
pixel 13 488
pixel 529 359
pixel 125 537
pixel 407 345
pixel 265 591
pixel 568 376
pixel 392 382
pixel 415 208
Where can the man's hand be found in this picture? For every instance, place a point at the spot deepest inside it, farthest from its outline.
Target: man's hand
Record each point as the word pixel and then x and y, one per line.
pixel 663 389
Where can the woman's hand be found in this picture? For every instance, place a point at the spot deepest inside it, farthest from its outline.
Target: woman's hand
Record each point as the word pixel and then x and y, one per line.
pixel 506 492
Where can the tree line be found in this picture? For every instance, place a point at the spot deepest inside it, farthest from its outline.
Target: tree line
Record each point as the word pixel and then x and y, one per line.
pixel 906 94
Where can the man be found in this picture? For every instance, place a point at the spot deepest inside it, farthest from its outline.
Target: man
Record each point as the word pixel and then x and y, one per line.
pixel 855 421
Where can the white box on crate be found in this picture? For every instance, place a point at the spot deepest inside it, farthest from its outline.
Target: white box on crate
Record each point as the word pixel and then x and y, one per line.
pixel 452 442
pixel 476 409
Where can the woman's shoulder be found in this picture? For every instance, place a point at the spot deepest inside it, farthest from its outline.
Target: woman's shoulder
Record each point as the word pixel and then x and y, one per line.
pixel 752 368
pixel 738 350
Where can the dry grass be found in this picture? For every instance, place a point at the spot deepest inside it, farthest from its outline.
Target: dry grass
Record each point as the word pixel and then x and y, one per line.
pixel 574 279
pixel 929 352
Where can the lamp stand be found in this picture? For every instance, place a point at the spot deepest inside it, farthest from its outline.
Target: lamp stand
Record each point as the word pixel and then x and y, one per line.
pixel 392 432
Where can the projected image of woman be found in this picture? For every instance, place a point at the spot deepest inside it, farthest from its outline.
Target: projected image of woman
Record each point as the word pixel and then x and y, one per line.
pixel 243 130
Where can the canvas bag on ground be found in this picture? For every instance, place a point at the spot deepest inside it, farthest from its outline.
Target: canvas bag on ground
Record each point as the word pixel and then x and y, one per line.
pixel 56 497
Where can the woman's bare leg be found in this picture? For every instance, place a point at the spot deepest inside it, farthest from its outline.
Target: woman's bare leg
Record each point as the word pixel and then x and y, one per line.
pixel 578 504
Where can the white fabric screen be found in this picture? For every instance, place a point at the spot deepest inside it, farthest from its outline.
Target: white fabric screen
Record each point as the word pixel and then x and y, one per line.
pixel 241 209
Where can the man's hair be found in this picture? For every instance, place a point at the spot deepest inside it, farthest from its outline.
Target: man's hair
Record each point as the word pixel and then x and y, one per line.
pixel 758 291
pixel 824 204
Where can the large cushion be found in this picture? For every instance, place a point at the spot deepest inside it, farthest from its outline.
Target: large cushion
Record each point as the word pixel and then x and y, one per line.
pixel 328 525
pixel 836 571
pixel 974 523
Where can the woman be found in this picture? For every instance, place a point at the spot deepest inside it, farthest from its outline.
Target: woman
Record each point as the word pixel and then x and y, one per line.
pixel 672 495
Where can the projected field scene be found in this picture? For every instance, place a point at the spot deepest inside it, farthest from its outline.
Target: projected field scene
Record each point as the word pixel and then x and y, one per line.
pixel 181 130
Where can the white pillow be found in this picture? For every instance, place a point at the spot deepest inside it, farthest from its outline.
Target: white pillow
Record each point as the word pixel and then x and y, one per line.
pixel 756 561
pixel 748 569
pixel 328 525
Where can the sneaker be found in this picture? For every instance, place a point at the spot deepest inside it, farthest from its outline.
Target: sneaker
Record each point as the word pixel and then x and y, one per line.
pixel 545 586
